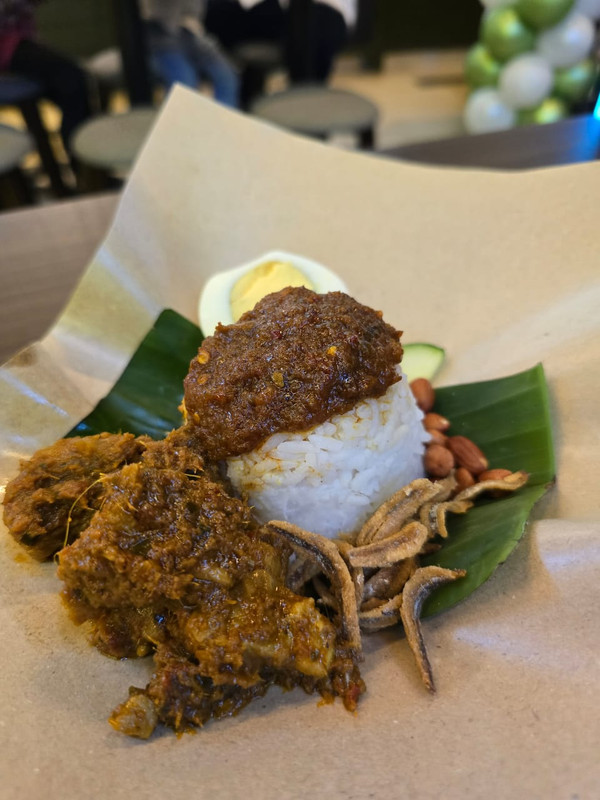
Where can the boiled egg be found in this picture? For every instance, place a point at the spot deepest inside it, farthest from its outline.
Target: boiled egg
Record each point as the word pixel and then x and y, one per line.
pixel 228 295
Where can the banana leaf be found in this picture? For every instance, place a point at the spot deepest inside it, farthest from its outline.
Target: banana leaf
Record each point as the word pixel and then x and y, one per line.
pixel 508 418
pixel 146 398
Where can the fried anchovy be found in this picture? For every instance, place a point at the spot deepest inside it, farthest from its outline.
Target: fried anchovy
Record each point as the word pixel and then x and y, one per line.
pixel 414 594
pixel 327 554
pixel 382 616
pixel 356 573
pixel 325 594
pixel 434 514
pixel 301 571
pixel 405 543
pixel 395 512
pixel 511 483
pixel 373 602
pixel 388 581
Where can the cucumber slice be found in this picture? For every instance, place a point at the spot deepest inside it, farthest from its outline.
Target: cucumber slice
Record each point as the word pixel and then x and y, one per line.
pixel 421 360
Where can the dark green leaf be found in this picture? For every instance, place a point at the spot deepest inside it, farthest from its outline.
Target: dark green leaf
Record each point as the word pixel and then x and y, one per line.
pixel 509 419
pixel 146 397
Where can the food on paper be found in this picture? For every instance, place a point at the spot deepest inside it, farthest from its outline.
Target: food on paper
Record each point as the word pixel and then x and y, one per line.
pixel 227 295
pixel 383 583
pixel 514 408
pixel 163 557
pixel 306 401
pixel 171 563
pixel 59 486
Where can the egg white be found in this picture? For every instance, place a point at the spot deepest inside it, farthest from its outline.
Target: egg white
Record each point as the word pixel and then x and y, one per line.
pixel 214 305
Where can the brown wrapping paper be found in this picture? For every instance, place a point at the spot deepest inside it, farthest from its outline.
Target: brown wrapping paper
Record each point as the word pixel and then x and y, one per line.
pixel 502 270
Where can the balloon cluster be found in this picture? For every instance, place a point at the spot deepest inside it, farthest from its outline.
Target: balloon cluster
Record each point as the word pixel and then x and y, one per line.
pixel 532 62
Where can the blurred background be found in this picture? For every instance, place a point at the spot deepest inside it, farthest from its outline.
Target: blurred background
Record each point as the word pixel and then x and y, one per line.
pixel 82 80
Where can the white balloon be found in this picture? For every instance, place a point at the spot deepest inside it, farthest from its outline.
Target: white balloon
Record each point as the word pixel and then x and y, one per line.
pixel 568 42
pixel 589 8
pixel 525 81
pixel 485 112
pixel 495 3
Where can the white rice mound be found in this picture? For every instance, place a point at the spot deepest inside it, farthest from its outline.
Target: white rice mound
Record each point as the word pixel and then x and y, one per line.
pixel 330 479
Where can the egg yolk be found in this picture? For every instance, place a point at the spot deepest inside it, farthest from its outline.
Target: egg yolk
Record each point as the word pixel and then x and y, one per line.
pixel 262 280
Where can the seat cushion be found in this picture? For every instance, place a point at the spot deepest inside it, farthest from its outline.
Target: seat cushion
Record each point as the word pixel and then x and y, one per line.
pixel 112 141
pixel 107 67
pixel 14 89
pixel 260 54
pixel 317 110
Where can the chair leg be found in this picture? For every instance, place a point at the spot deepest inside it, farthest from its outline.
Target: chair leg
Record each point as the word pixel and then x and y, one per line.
pixel 252 85
pixel 366 139
pixel 15 189
pixel 32 118
pixel 104 95
pixel 91 179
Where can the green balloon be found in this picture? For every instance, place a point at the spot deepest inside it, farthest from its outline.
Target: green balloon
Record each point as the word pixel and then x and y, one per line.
pixel 573 83
pixel 504 34
pixel 481 69
pixel 552 109
pixel 543 13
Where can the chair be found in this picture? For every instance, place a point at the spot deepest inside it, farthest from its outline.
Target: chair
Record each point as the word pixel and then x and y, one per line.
pixel 105 69
pixel 14 146
pixel 255 61
pixel 24 94
pixel 108 145
pixel 320 112
pixel 105 38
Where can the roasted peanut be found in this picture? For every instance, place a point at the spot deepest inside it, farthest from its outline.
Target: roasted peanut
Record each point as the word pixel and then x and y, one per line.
pixel 438 461
pixel 464 479
pixel 424 393
pixel 493 474
pixel 467 454
pixel 437 437
pixel 436 422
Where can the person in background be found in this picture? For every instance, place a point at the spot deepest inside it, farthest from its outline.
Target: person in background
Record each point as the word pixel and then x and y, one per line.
pixel 181 52
pixel 329 23
pixel 309 54
pixel 59 78
pixel 235 22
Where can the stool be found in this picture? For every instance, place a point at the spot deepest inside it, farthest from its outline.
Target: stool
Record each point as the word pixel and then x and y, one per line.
pixel 255 60
pixel 14 146
pixel 105 68
pixel 24 94
pixel 320 112
pixel 109 144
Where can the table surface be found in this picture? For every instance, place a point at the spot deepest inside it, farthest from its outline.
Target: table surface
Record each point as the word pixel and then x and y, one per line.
pixel 44 252
pixel 567 142
pixel 45 249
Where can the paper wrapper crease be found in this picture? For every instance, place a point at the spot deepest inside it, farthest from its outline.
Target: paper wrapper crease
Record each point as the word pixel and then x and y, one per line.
pixel 500 269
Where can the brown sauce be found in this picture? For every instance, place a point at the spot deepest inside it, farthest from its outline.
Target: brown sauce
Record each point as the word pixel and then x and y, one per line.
pixel 291 363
